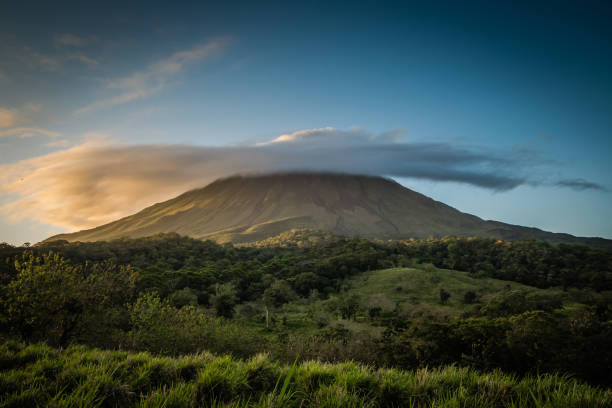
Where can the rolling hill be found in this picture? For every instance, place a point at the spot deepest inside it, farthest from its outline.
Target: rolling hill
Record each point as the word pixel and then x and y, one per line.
pixel 251 208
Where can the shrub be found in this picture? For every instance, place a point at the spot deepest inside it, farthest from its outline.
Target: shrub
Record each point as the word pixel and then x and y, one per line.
pixel 159 327
pixel 469 297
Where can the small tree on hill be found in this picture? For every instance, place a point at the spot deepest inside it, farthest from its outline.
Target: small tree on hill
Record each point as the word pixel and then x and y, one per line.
pixel 349 306
pixel 444 296
pixel 469 297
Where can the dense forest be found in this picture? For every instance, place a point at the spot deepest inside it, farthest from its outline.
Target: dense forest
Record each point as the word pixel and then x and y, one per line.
pixel 532 307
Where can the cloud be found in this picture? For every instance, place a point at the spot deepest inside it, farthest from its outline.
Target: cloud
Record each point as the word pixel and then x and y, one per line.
pixel 46 62
pixel 12 123
pixel 32 108
pixel 302 135
pixel 71 40
pixel 125 97
pixel 25 132
pixel 8 117
pixel 58 143
pixel 85 60
pixel 99 181
pixel 144 84
pixel 41 62
pixel 580 185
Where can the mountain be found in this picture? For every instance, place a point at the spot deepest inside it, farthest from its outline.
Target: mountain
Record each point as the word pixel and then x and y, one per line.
pixel 255 207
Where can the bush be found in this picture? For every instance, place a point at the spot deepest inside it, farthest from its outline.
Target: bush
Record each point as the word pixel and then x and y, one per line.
pixel 469 297
pixel 183 297
pixel 159 327
pixel 444 296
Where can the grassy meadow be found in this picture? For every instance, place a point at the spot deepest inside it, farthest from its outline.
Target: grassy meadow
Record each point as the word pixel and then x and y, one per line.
pixel 420 285
pixel 38 375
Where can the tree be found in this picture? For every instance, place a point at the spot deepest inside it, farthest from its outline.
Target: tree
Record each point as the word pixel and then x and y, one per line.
pixel 444 296
pixel 224 300
pixel 349 306
pixel 42 302
pixel 105 293
pixel 52 300
pixel 278 293
pixel 306 282
pixel 469 297
pixel 506 303
pixel 183 297
pixel 377 303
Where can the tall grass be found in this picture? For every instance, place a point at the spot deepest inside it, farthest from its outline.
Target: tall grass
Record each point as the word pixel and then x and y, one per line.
pixel 37 375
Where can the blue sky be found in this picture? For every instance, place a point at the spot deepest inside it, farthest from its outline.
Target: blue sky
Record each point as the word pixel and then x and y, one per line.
pixel 518 94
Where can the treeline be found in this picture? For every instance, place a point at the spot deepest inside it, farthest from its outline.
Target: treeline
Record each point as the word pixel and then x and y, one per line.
pixel 534 341
pixel 168 263
pixel 534 263
pixel 202 264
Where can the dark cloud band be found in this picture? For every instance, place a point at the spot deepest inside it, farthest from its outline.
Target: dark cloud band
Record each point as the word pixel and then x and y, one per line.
pixel 580 185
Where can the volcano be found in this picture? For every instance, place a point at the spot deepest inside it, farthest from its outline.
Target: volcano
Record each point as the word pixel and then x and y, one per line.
pixel 250 208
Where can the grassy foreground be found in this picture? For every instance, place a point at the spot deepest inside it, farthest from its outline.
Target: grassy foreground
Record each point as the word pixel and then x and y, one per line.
pixel 37 375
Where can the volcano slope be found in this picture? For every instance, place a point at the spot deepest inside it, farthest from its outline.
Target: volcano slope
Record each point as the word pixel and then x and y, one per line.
pixel 250 208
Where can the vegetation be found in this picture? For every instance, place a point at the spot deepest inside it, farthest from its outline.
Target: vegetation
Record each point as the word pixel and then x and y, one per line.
pixel 479 304
pixel 416 291
pixel 37 375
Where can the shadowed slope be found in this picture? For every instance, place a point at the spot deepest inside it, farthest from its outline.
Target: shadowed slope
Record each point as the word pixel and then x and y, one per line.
pixel 250 208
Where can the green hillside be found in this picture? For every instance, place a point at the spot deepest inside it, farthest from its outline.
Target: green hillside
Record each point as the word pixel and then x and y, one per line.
pixel 408 293
pixel 421 286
